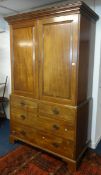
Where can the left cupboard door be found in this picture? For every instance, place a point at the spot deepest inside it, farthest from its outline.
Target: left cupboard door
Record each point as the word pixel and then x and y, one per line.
pixel 24 60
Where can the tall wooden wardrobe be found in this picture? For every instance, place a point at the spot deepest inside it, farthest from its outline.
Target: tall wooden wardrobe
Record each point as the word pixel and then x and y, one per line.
pixel 52 68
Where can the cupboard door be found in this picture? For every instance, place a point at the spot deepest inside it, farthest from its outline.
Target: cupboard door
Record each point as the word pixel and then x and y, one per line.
pixel 24 63
pixel 58 42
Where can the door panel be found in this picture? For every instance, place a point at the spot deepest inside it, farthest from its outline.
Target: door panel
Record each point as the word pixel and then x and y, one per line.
pixel 56 64
pixel 24 64
pixel 58 41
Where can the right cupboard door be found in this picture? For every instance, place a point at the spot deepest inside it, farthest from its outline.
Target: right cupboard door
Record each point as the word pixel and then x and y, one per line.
pixel 58 46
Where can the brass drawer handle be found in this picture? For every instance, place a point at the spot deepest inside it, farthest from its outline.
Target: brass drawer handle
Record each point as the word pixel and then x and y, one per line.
pixel 23 133
pixel 56 127
pixel 23 103
pixel 22 117
pixel 56 145
pixel 55 111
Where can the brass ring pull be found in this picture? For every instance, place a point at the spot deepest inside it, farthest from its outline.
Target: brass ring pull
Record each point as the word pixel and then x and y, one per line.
pixel 22 103
pixel 56 111
pixel 23 117
pixel 56 145
pixel 56 127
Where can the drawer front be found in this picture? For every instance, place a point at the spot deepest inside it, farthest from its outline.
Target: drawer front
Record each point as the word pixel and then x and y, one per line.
pixel 58 112
pixel 46 141
pixel 23 103
pixel 55 127
pixel 23 116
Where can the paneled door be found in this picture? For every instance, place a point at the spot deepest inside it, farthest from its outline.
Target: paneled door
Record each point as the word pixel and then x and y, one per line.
pixel 58 45
pixel 24 60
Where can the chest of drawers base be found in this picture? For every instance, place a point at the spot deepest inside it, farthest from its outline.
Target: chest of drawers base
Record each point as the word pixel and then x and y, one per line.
pixel 51 127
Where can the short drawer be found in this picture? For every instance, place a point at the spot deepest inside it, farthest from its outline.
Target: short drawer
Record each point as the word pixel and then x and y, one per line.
pixel 58 112
pixel 62 147
pixel 55 127
pixel 22 116
pixel 23 103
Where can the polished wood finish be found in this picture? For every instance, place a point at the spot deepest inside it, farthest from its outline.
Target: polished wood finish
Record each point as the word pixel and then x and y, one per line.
pixel 81 128
pixel 23 103
pixel 44 140
pixel 25 55
pixel 58 112
pixel 70 8
pixel 87 42
pixel 52 67
pixel 58 66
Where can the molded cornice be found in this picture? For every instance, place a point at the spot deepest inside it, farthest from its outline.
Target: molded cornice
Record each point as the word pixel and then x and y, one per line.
pixel 77 7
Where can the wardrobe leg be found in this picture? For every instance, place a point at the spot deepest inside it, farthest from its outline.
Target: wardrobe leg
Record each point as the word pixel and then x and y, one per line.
pixel 71 167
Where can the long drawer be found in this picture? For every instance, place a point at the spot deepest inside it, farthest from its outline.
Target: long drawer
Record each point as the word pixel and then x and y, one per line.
pixel 55 127
pixel 60 146
pixel 59 128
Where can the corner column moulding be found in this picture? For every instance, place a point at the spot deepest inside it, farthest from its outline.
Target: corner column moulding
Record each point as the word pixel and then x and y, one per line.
pixel 52 68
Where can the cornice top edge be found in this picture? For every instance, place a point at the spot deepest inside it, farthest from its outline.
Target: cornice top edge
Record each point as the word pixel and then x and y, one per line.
pixel 52 10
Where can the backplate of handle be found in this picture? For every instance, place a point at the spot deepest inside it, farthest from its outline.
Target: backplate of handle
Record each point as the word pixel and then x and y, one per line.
pixel 23 117
pixel 23 103
pixel 56 145
pixel 55 111
pixel 56 127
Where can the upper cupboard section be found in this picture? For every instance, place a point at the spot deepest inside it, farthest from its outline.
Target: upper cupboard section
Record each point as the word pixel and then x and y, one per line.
pixel 50 52
pixel 45 59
